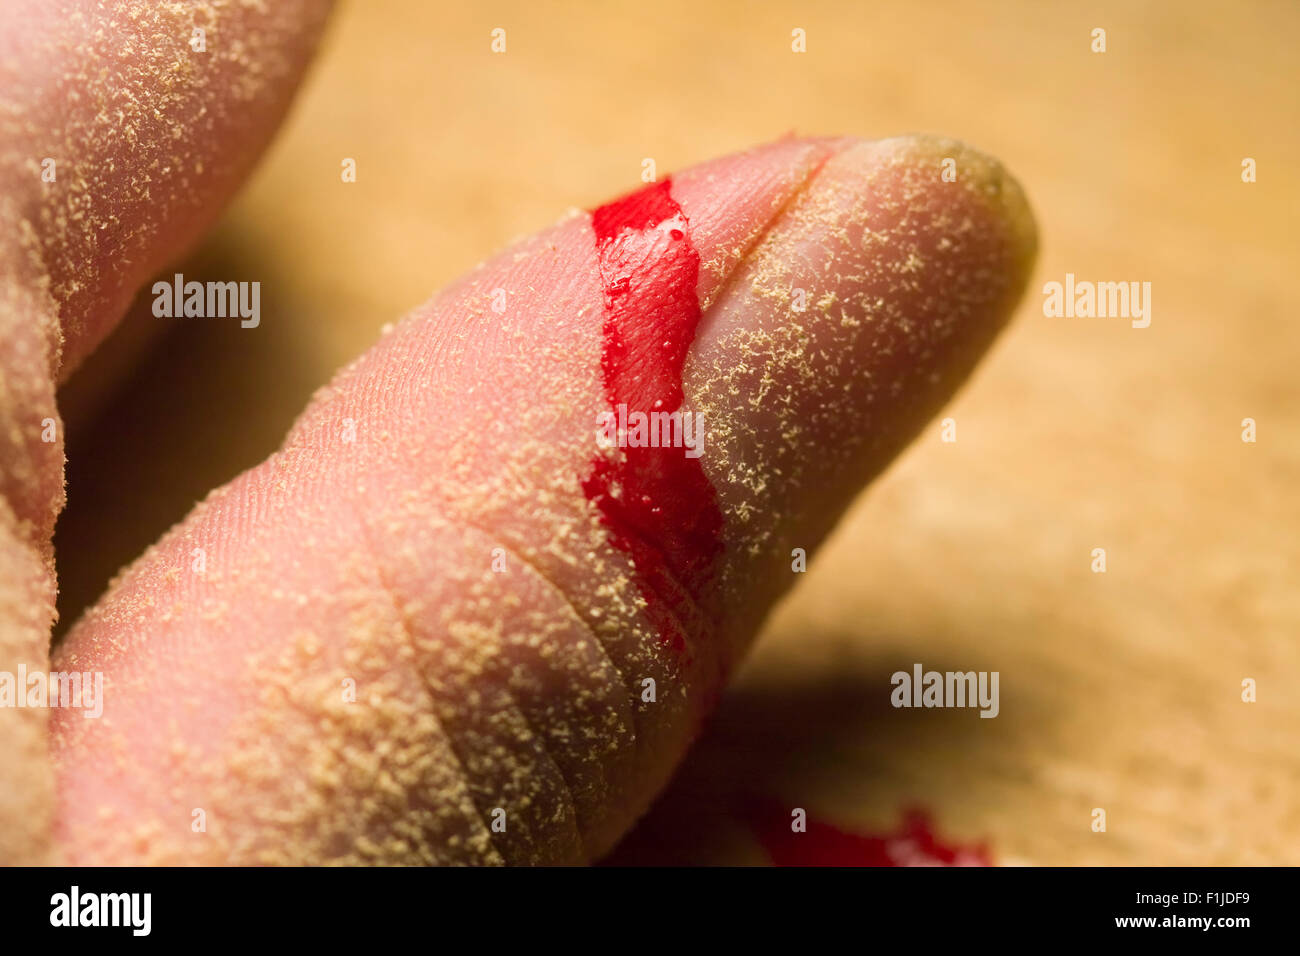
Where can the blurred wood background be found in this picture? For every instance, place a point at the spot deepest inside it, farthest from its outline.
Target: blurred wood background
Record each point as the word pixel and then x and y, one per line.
pixel 1119 690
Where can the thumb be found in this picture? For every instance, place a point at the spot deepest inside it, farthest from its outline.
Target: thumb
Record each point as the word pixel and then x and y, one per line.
pixel 447 621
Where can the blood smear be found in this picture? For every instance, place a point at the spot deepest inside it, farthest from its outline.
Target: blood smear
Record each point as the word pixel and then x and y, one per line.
pixel 913 844
pixel 658 506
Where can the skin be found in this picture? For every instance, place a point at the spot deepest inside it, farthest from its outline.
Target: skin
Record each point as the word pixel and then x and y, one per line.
pixel 149 139
pixel 320 662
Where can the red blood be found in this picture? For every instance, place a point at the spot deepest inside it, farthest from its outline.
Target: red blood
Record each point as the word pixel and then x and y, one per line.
pixel 913 844
pixel 658 505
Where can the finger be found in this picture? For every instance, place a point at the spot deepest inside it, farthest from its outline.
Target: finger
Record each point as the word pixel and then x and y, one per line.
pixel 127 125
pixel 444 623
pixel 119 143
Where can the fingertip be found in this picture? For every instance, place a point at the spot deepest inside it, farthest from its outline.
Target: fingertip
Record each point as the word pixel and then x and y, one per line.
pixel 863 306
pixel 959 166
pixel 124 128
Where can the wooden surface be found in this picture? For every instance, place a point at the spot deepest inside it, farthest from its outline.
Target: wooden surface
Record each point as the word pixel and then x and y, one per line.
pixel 1119 691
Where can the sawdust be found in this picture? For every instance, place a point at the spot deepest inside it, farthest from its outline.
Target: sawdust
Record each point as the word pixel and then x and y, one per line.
pixel 479 693
pixel 144 132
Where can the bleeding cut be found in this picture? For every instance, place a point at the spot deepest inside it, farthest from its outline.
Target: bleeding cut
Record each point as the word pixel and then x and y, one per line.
pixel 656 502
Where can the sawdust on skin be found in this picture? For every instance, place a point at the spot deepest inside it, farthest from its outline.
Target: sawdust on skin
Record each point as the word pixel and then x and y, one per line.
pixel 450 723
pixel 806 407
pixel 478 692
pixel 531 690
pixel 31 496
pixel 147 137
pixel 144 131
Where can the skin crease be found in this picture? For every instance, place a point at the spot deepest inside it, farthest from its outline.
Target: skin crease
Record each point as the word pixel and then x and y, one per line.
pixel 320 663
pixel 148 139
